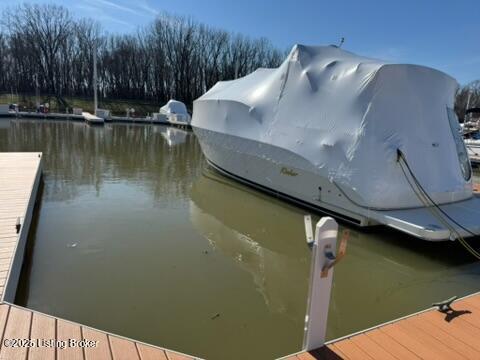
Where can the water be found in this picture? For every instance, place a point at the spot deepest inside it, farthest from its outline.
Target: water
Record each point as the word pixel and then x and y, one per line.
pixel 137 236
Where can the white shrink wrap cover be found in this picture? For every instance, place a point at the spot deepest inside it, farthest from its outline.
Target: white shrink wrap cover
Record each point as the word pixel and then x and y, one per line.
pixel 174 107
pixel 329 113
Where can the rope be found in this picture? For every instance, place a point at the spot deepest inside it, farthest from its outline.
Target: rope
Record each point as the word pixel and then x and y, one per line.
pixel 436 210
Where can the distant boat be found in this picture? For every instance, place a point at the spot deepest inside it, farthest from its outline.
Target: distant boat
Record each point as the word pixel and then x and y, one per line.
pixel 158 118
pixel 104 114
pixel 92 119
pixel 474 153
pixel 472 115
pixel 346 135
pixel 5 110
pixel 176 113
pixel 473 148
pixel 471 134
pixel 471 124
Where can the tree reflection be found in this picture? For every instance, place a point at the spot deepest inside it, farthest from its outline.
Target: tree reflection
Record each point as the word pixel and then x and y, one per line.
pixel 77 155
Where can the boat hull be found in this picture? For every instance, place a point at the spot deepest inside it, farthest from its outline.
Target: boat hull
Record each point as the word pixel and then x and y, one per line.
pixel 265 168
pixel 259 165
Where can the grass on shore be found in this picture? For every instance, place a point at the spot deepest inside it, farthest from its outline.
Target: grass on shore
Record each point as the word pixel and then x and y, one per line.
pixel 116 106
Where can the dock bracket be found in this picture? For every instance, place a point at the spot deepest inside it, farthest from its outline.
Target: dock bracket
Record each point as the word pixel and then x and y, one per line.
pixel 331 257
pixel 445 306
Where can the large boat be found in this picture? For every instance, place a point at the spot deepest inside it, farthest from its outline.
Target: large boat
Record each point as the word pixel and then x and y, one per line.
pixel 361 139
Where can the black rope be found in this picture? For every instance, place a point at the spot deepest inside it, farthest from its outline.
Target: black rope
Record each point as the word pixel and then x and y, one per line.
pixel 400 155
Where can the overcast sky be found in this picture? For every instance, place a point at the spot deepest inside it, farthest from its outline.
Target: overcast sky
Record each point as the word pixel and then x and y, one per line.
pixel 443 34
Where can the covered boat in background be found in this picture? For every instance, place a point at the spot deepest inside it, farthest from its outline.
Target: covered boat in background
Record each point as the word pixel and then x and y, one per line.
pixel 176 113
pixel 336 132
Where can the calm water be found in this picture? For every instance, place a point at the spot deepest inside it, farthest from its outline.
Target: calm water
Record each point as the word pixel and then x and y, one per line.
pixel 136 235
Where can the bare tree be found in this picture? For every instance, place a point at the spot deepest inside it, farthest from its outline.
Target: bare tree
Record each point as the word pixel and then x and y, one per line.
pixel 172 57
pixel 468 96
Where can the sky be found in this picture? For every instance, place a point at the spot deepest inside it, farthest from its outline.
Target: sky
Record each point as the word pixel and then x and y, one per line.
pixel 442 34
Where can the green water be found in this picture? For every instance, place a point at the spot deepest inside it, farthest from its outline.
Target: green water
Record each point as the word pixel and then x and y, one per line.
pixel 135 235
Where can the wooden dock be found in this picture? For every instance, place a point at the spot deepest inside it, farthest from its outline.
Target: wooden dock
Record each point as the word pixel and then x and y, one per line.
pixel 45 116
pixel 45 337
pixel 85 117
pixel 19 180
pixel 427 335
pixel 50 338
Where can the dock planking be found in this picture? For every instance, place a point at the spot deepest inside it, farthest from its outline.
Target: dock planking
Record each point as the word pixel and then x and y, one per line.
pixel 19 180
pixel 20 323
pixel 426 335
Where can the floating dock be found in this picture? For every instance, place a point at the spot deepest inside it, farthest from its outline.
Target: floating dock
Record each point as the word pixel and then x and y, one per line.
pixel 135 120
pixel 19 181
pixel 24 324
pixel 429 334
pixel 20 175
pixel 51 116
pixel 87 117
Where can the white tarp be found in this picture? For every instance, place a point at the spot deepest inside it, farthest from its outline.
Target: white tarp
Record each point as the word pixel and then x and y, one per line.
pixel 344 117
pixel 174 107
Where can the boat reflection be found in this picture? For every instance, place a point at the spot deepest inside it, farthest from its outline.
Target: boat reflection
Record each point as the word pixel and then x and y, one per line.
pixel 173 136
pixel 259 238
pixel 387 273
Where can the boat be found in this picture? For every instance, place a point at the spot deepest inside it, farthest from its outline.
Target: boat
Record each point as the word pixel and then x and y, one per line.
pixel 358 138
pixel 5 110
pixel 472 116
pixel 474 154
pixel 471 134
pixel 159 118
pixel 176 113
pixel 92 119
pixel 104 114
pixel 472 144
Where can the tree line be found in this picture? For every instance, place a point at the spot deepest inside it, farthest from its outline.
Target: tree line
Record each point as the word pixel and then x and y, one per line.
pixel 468 97
pixel 44 47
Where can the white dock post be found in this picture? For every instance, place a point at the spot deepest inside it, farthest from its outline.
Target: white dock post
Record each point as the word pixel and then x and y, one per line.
pixel 321 275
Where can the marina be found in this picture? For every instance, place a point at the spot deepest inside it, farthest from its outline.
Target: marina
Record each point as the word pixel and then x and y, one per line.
pixel 183 181
pixel 164 181
pixel 87 116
